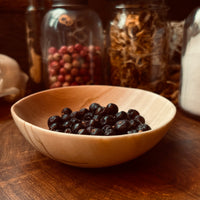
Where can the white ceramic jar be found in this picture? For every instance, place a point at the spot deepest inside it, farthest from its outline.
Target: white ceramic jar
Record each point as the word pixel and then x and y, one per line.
pixel 189 98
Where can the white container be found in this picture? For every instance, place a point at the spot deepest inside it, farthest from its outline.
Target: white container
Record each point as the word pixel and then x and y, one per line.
pixel 189 99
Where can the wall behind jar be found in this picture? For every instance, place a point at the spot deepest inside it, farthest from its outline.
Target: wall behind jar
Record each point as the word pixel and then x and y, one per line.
pixel 12 23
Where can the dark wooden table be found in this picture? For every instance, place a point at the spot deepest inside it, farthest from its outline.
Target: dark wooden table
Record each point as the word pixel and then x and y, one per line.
pixel 170 171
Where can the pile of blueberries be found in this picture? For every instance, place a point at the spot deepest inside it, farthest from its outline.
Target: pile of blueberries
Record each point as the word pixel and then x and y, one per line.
pixel 98 120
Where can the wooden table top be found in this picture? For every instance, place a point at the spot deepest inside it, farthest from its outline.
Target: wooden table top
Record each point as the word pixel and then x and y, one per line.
pixel 169 171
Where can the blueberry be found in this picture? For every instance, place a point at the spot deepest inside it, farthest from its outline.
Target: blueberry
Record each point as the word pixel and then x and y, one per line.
pixel 122 126
pixel 108 119
pixel 76 127
pixel 82 131
pixel 75 120
pixel 132 131
pixel 132 113
pixel 89 129
pixel 109 131
pixel 121 115
pixel 97 131
pixel 111 109
pixel 85 123
pixel 100 111
pixel 65 117
pixel 88 116
pixel 104 128
pixel 97 117
pixel 66 111
pixel 93 107
pixel 54 119
pixel 74 114
pixel 59 130
pixel 94 123
pixel 139 119
pixel 67 124
pixel 55 126
pixel 82 112
pixel 67 130
pixel 143 127
pixel 133 124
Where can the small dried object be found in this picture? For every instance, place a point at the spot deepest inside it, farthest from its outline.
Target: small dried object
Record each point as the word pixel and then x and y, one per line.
pixel 77 31
pixel 12 80
pixel 137 51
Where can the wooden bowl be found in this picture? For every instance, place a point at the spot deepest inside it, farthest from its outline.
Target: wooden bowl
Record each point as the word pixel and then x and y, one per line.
pixel 31 113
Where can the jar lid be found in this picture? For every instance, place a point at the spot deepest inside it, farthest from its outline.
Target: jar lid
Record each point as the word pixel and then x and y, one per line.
pixel 160 2
pixel 82 2
pixel 141 4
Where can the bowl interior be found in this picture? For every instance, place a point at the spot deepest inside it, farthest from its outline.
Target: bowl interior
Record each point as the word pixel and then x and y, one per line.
pixel 38 107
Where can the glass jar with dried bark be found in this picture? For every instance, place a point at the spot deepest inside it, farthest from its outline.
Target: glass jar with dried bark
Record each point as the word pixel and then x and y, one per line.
pixel 137 45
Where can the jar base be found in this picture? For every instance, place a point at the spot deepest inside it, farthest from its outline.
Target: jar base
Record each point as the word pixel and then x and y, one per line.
pixel 189 114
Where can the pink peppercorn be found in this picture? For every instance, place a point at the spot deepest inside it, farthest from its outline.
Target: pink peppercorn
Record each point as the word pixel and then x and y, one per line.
pixel 84 65
pixel 74 72
pixel 63 71
pixel 78 47
pixel 79 80
pixel 56 56
pixel 63 50
pixel 91 48
pixel 52 79
pixel 83 53
pixel 52 72
pixel 52 50
pixel 67 58
pixel 76 63
pixel 50 58
pixel 61 78
pixel 56 84
pixel 75 56
pixel 62 62
pixel 68 66
pixel 55 65
pixel 65 84
pixel 70 49
pixel 68 78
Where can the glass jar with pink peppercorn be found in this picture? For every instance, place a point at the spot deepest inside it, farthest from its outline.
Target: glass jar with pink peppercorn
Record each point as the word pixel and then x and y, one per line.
pixel 72 45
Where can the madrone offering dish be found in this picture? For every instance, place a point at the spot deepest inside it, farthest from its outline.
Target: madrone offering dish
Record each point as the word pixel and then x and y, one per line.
pixel 91 151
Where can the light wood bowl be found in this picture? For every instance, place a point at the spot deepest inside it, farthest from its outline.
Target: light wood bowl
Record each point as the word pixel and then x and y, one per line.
pixel 31 113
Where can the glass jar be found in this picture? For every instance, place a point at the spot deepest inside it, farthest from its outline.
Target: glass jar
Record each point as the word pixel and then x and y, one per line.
pixel 137 45
pixel 72 45
pixel 34 14
pixel 190 65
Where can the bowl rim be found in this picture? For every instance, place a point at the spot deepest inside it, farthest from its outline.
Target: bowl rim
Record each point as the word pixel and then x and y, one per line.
pixel 60 134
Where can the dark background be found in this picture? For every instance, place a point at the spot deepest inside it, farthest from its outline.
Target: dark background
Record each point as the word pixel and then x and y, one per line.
pixel 12 23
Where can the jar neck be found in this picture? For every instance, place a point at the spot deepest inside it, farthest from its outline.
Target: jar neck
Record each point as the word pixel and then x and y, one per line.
pixel 35 5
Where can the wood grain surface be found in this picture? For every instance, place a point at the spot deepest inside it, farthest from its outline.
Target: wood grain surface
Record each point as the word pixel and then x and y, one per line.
pixel 170 171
